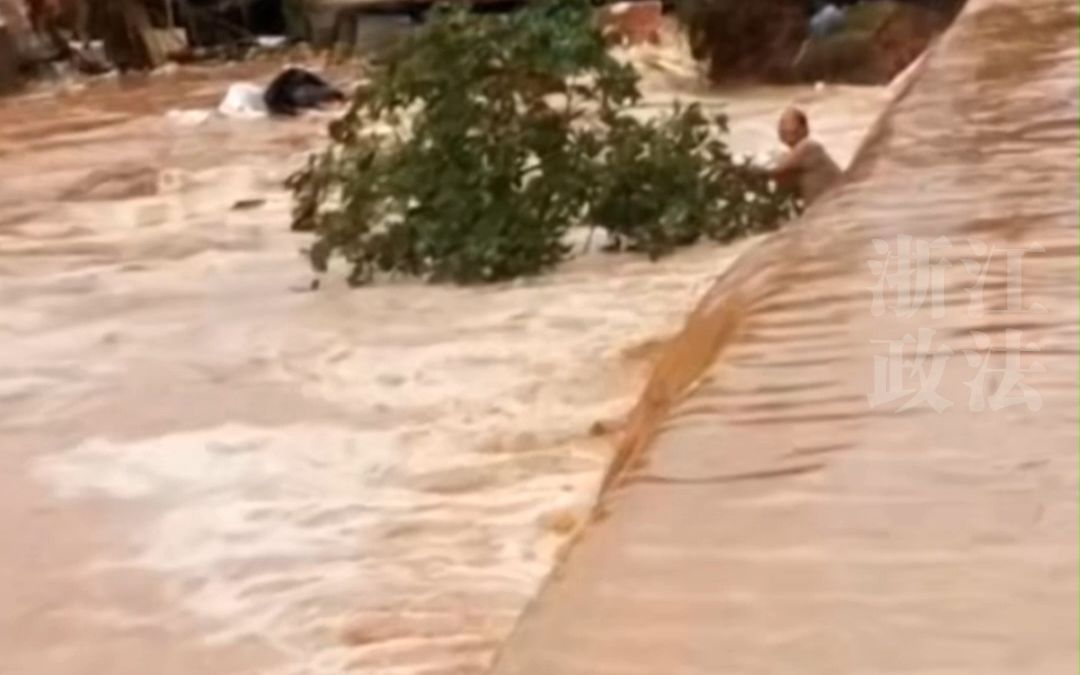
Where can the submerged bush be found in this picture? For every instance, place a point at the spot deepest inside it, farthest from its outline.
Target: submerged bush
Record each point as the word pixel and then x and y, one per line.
pixel 485 138
pixel 667 182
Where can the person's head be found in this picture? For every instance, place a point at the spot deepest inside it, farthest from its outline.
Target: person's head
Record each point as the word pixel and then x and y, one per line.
pixel 793 127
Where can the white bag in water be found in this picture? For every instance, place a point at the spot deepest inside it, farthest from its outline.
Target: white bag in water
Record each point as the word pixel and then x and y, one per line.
pixel 244 100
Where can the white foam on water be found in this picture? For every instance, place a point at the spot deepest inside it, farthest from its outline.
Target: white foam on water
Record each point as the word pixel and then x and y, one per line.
pixel 281 535
pixel 371 481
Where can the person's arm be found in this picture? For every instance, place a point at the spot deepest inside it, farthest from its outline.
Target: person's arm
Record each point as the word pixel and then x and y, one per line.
pixel 791 163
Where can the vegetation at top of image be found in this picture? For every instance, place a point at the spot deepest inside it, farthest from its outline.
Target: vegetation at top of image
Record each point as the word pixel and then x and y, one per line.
pixel 484 139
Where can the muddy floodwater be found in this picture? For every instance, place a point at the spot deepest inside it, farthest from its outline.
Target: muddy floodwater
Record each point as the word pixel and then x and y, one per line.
pixel 208 468
pixel 859 456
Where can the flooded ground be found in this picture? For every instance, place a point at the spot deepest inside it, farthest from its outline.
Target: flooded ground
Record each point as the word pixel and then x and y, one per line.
pixel 207 468
pixel 859 456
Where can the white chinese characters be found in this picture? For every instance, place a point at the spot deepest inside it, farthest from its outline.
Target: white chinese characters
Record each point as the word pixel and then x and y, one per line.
pixel 911 280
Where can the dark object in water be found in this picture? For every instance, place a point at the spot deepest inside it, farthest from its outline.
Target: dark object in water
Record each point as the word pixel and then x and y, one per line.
pixel 295 89
pixel 247 204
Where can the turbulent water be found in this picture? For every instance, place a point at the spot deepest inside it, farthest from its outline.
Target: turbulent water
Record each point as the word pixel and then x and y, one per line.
pixel 860 454
pixel 207 468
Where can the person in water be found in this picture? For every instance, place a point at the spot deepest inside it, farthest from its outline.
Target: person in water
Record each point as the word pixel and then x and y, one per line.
pixel 807 167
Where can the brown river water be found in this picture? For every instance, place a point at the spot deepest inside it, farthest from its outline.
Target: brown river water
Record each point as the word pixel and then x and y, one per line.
pixel 207 468
pixel 860 453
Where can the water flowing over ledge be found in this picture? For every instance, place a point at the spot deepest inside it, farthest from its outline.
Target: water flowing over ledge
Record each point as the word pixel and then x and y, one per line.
pixel 775 508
